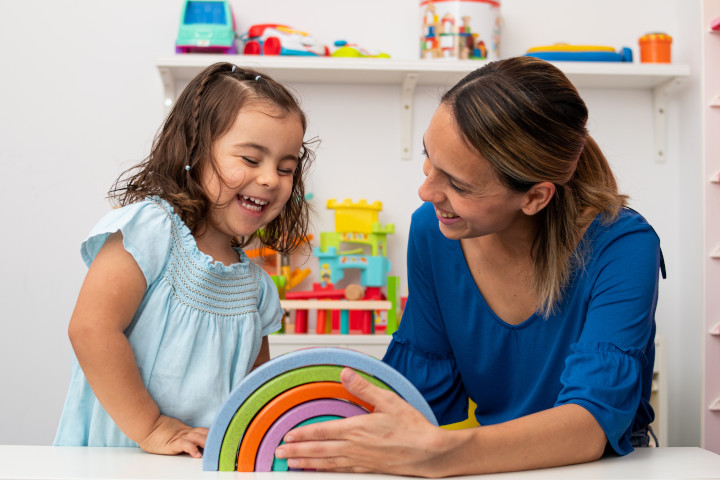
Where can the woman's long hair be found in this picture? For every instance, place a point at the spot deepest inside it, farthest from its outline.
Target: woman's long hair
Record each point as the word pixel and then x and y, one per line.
pixel 526 118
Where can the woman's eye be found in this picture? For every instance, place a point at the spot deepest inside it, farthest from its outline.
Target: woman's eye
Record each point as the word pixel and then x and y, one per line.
pixel 455 187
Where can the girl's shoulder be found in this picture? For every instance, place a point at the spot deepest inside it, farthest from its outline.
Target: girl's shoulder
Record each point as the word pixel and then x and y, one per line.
pixel 147 228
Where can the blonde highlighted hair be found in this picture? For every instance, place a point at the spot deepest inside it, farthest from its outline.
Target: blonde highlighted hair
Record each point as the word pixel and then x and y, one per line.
pixel 527 119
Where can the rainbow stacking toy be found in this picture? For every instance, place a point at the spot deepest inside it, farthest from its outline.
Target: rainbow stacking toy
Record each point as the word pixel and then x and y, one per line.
pixel 291 390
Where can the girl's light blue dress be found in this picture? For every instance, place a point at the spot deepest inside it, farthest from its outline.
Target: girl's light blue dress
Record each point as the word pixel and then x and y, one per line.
pixel 196 333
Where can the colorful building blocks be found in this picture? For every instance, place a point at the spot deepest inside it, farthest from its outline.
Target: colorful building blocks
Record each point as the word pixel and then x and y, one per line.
pixel 303 384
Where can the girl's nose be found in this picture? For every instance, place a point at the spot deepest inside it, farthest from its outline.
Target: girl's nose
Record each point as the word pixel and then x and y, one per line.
pixel 268 177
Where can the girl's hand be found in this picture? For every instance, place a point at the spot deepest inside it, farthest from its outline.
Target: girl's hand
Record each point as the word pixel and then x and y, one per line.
pixel 170 437
pixel 396 438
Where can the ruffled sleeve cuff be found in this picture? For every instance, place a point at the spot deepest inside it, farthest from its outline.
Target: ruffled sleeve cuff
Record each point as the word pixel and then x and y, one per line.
pixel 435 375
pixel 146 230
pixel 606 381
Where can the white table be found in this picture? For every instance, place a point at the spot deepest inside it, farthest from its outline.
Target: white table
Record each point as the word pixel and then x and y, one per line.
pixel 83 463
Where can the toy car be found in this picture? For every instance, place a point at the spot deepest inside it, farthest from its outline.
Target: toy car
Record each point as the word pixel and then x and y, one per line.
pixel 206 26
pixel 274 39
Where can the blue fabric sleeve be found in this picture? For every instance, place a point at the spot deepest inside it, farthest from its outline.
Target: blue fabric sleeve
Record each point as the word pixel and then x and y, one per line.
pixel 269 307
pixel 604 370
pixel 420 349
pixel 146 236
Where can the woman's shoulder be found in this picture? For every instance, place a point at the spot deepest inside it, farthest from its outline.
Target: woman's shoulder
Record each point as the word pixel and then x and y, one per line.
pixel 626 222
pixel 629 231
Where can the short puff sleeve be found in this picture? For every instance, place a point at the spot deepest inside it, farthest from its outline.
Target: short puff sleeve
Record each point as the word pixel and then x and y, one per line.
pixel 146 230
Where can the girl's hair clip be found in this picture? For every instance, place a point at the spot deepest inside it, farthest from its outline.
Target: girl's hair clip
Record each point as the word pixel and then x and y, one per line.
pixel 233 69
pixel 257 79
pixel 187 167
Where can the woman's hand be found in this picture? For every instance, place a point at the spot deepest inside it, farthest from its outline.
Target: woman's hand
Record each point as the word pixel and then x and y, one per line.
pixel 396 438
pixel 170 437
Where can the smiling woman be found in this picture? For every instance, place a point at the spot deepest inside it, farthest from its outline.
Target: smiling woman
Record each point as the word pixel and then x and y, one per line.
pixel 532 292
pixel 172 314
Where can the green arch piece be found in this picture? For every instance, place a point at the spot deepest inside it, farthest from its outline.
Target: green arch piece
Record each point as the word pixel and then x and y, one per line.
pixel 266 392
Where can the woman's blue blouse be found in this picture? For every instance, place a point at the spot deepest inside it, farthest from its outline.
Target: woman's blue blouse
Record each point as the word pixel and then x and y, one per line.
pixel 196 334
pixel 596 351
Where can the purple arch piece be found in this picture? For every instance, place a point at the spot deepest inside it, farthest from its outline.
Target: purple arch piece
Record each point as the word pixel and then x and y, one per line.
pixel 288 420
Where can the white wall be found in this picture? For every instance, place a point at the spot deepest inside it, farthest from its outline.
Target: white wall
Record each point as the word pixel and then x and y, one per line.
pixel 80 100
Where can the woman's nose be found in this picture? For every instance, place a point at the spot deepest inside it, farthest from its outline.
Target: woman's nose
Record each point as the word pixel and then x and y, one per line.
pixel 426 188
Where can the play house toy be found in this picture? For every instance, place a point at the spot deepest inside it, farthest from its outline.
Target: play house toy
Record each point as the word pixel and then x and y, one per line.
pixel 206 27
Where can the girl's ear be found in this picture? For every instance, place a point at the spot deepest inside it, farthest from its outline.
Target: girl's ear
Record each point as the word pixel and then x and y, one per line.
pixel 538 197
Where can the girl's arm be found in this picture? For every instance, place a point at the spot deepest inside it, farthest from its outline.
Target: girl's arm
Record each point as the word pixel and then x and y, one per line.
pixel 397 439
pixel 109 297
pixel 263 354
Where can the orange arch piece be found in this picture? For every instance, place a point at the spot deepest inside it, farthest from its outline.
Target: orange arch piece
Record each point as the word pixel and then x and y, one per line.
pixel 279 405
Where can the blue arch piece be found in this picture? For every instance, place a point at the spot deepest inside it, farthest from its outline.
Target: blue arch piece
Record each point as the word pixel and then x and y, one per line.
pixel 303 358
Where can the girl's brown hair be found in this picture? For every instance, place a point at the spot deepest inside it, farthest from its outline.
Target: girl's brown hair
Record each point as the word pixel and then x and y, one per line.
pixel 526 118
pixel 205 111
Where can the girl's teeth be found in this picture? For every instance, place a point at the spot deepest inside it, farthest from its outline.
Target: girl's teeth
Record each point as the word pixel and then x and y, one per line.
pixel 252 203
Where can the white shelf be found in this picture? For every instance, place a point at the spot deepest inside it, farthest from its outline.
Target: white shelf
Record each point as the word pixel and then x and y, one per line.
pixel 182 68
pixel 177 70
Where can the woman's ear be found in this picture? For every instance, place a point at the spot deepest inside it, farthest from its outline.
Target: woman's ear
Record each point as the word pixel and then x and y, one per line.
pixel 538 197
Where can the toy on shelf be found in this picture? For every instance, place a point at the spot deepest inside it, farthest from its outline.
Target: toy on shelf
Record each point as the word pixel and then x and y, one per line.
pixel 563 52
pixel 655 48
pixel 286 391
pixel 327 320
pixel 275 39
pixel 363 308
pixel 206 26
pixel 460 29
pixel 345 49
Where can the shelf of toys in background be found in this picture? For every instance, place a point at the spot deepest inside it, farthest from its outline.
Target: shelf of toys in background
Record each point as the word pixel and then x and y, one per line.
pixel 372 306
pixel 208 26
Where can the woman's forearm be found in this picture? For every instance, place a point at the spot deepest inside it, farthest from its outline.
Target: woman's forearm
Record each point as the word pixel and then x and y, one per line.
pixel 562 435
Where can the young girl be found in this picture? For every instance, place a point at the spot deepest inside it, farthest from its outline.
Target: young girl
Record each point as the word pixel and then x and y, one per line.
pixel 172 314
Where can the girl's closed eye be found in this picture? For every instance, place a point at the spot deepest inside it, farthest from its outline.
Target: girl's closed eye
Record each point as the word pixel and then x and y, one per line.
pixel 250 161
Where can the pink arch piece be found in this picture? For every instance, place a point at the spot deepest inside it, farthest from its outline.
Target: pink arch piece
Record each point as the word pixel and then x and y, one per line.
pixel 288 420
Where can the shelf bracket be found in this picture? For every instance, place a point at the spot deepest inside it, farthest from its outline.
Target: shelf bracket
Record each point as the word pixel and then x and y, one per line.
pixel 168 81
pixel 660 94
pixel 406 114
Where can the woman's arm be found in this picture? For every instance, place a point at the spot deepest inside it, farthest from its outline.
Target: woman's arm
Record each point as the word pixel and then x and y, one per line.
pixel 397 439
pixel 109 297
